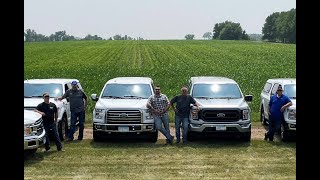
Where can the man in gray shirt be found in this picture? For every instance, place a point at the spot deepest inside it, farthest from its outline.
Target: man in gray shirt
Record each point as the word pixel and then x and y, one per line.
pixel 182 112
pixel 78 104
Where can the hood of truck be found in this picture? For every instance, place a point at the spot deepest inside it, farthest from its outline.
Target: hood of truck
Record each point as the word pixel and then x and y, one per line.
pixel 222 103
pixel 34 102
pixel 293 104
pixel 122 103
pixel 31 117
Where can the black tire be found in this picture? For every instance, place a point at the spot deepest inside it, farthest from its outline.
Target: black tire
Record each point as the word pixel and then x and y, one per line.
pixel 63 128
pixel 96 136
pixel 153 137
pixel 191 136
pixel 246 137
pixel 262 117
pixel 284 135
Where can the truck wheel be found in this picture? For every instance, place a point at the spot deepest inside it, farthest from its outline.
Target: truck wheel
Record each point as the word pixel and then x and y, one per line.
pixel 262 117
pixel 154 137
pixel 190 136
pixel 63 128
pixel 96 136
pixel 246 137
pixel 284 132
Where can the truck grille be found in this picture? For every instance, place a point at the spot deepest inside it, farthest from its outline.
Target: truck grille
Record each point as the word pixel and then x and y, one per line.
pixel 220 115
pixel 123 117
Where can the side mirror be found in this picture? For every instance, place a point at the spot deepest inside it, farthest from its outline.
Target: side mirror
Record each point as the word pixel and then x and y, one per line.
pixel 94 97
pixel 248 98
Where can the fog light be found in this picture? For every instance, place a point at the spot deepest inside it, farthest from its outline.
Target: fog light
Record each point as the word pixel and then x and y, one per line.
pixel 149 127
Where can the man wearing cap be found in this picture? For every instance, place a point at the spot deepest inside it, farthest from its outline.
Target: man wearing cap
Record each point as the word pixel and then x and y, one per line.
pixel 277 104
pixel 49 113
pixel 78 104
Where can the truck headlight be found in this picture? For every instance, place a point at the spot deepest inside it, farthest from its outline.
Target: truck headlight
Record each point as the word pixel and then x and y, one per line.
pixel 99 113
pixel 147 114
pixel 292 114
pixel 27 131
pixel 245 114
pixel 194 114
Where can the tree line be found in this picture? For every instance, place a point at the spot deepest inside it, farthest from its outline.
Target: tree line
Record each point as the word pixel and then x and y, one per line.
pixel 31 36
pixel 278 27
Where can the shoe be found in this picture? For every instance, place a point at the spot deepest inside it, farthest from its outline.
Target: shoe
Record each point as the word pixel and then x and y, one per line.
pixel 171 139
pixel 46 150
pixel 62 150
pixel 265 136
pixel 270 139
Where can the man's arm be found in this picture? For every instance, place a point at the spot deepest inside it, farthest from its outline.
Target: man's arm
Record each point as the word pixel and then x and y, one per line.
pixel 168 104
pixel 40 112
pixel 63 96
pixel 286 105
pixel 173 100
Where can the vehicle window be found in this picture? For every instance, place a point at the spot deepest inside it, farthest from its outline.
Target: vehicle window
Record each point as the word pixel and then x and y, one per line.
pixel 37 90
pixel 267 87
pixel 216 91
pixel 290 91
pixel 127 91
pixel 274 88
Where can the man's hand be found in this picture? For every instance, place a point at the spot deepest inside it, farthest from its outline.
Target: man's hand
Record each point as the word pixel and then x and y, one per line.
pixel 42 113
pixel 282 108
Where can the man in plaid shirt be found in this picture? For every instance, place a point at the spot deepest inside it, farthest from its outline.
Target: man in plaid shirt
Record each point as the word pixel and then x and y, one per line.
pixel 159 105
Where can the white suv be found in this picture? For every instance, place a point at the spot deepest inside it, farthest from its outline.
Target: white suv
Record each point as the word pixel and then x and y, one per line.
pixel 33 91
pixel 121 109
pixel 223 108
pixel 34 133
pixel 288 127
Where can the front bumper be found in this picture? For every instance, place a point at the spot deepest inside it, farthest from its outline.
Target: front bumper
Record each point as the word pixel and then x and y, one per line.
pixel 124 128
pixel 33 142
pixel 220 127
pixel 291 126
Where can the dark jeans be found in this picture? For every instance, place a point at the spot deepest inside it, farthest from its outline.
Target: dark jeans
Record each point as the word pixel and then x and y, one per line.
pixel 47 128
pixel 184 121
pixel 74 116
pixel 274 126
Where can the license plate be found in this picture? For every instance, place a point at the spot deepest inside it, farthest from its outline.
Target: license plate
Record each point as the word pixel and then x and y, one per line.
pixel 123 129
pixel 221 128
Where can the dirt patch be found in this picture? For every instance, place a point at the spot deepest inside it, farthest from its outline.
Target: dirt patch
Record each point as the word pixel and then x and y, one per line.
pixel 257 132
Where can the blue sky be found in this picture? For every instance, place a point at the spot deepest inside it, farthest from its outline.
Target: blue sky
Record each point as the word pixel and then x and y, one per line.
pixel 149 19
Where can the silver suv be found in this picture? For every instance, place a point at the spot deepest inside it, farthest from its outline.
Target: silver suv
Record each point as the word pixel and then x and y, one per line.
pixel 121 109
pixel 288 127
pixel 33 91
pixel 223 108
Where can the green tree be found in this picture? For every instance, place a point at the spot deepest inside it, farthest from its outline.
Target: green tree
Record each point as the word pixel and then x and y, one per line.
pixel 229 30
pixel 269 30
pixel 207 35
pixel 189 36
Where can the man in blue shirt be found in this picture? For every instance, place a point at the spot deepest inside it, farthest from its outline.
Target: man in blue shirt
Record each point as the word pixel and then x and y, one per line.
pixel 278 103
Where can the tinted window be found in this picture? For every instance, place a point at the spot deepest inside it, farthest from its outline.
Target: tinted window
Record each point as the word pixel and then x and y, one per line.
pixel 127 91
pixel 36 90
pixel 290 91
pixel 216 91
pixel 267 87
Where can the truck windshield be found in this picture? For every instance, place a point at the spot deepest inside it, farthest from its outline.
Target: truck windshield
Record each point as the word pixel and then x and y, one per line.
pixel 37 90
pixel 216 91
pixel 290 91
pixel 127 91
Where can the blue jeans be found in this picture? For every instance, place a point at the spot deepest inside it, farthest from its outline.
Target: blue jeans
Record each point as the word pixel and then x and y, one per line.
pixel 74 116
pixel 47 128
pixel 184 121
pixel 274 126
pixel 166 130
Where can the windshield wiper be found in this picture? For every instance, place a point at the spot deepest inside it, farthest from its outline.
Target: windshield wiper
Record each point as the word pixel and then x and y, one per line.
pixel 139 97
pixel 202 97
pixel 28 96
pixel 113 97
pixel 293 97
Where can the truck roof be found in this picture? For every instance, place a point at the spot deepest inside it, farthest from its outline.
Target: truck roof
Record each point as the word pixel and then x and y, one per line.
pixel 53 80
pixel 283 80
pixel 130 80
pixel 210 79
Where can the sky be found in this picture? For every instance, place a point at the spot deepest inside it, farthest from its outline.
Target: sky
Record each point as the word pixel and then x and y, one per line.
pixel 149 19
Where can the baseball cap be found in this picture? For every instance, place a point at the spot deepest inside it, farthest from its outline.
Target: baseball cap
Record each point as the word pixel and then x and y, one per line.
pixel 45 94
pixel 74 83
pixel 279 87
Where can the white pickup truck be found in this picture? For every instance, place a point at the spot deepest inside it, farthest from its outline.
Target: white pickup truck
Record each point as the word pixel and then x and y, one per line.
pixel 33 91
pixel 223 108
pixel 288 127
pixel 34 133
pixel 121 109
